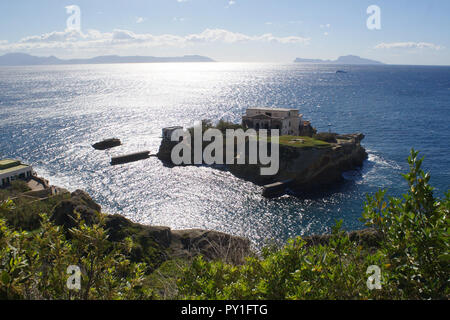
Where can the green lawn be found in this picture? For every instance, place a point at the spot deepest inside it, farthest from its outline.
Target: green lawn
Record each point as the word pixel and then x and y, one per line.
pixel 301 142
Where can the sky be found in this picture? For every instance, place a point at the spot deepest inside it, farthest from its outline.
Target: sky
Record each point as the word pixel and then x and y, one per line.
pixel 408 32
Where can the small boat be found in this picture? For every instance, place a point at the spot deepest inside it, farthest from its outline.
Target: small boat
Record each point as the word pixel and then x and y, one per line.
pixel 341 71
pixel 107 144
pixel 130 158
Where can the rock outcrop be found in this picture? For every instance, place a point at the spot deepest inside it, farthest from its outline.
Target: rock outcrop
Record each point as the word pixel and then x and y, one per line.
pixel 305 168
pixel 307 130
pixel 310 167
pixel 64 213
pixel 212 244
pixel 165 151
pixel 152 244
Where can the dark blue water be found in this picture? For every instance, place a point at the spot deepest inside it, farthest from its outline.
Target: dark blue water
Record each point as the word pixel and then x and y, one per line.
pixel 50 116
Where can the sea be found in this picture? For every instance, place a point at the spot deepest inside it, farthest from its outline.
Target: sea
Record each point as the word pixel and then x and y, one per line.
pixel 51 115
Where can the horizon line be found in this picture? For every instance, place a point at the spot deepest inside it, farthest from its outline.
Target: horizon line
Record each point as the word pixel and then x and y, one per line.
pixel 325 62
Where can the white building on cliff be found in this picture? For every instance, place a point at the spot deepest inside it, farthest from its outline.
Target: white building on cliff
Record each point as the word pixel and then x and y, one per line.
pixel 288 121
pixel 11 170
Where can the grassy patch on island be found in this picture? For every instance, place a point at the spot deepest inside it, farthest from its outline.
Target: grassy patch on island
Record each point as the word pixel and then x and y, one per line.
pixel 301 142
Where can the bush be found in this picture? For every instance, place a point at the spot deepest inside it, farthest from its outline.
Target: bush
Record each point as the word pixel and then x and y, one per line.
pixel 415 237
pixel 16 188
pixel 19 186
pixel 326 136
pixel 413 257
pixel 25 213
pixel 34 265
pixel 223 125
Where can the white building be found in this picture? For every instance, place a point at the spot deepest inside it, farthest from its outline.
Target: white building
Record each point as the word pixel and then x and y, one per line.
pixel 11 170
pixel 288 121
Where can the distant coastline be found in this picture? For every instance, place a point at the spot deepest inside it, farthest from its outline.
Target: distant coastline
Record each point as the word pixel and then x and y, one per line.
pixel 23 59
pixel 350 59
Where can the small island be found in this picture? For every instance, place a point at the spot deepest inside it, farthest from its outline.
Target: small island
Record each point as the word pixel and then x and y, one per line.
pixel 349 60
pixel 23 59
pixel 307 160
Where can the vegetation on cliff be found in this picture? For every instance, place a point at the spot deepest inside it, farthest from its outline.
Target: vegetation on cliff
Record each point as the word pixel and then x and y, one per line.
pixel 301 142
pixel 123 260
pixel 413 256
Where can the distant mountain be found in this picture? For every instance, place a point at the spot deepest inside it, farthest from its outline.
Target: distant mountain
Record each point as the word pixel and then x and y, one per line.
pixel 341 60
pixel 23 59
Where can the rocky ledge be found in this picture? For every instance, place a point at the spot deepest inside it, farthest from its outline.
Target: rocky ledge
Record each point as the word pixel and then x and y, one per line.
pixel 153 244
pixel 307 168
pixel 302 168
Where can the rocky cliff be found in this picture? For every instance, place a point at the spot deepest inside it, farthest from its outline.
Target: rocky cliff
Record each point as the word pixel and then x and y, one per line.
pixel 305 167
pixel 309 167
pixel 152 244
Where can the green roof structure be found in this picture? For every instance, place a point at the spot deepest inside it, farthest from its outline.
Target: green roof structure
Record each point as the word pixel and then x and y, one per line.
pixel 9 165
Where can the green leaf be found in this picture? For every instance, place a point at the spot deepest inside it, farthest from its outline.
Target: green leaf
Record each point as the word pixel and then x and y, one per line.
pixel 5 278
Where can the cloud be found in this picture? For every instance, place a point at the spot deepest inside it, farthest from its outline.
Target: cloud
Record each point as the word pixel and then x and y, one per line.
pixel 140 19
pixel 56 36
pixel 123 35
pixel 93 39
pixel 230 3
pixel 408 45
pixel 225 36
pixel 326 27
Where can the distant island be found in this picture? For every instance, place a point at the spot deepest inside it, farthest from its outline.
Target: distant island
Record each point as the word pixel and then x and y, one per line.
pixel 23 59
pixel 350 59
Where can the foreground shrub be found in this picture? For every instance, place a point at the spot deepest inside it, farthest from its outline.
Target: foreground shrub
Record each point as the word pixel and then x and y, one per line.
pixel 413 257
pixel 34 265
pixel 333 271
pixel 411 252
pixel 415 237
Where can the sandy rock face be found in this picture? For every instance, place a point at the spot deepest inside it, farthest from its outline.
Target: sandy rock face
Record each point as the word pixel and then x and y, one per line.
pixel 305 167
pixel 311 167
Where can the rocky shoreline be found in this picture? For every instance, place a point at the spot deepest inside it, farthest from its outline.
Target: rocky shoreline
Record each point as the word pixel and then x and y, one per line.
pixel 305 168
pixel 156 244
pixel 311 167
pixel 161 243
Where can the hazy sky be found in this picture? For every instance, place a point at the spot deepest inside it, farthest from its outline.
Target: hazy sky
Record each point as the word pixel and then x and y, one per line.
pixel 412 32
